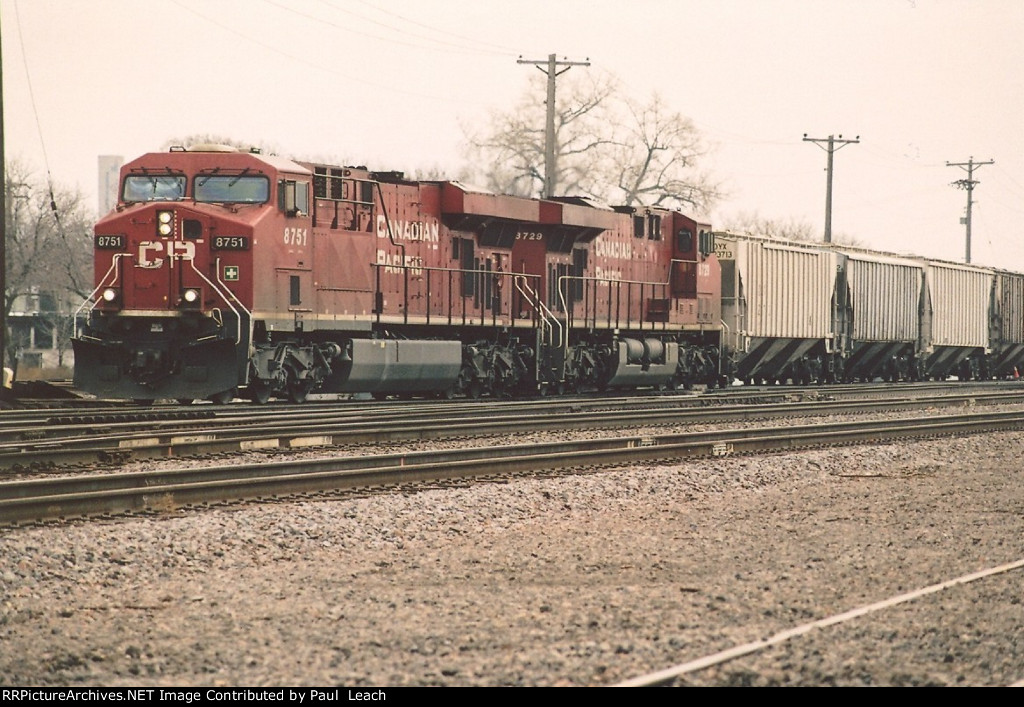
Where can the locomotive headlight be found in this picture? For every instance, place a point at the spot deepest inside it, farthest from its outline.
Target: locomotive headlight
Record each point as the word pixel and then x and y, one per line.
pixel 191 297
pixel 164 222
pixel 110 298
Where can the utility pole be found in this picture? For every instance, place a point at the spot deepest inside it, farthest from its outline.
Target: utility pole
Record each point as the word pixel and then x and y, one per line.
pixel 552 71
pixel 968 185
pixel 3 234
pixel 834 143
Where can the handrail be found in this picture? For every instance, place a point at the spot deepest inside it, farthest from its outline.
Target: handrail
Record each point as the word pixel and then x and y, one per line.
pixel 585 278
pixel 546 316
pixel 418 268
pixel 227 300
pixel 113 265
pixel 562 289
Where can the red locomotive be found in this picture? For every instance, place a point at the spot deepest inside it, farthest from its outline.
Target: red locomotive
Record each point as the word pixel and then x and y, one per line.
pixel 223 271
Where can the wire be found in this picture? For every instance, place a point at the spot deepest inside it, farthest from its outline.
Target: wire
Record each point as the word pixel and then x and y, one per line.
pixel 1005 173
pixel 490 48
pixel 39 127
pixel 347 75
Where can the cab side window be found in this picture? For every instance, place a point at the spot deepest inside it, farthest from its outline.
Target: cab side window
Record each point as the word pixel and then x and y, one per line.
pixel 293 197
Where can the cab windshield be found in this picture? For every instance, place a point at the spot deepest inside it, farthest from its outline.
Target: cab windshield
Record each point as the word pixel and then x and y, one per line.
pixel 152 187
pixel 231 189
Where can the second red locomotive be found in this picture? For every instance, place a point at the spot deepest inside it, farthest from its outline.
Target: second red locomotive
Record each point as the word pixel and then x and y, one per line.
pixel 223 272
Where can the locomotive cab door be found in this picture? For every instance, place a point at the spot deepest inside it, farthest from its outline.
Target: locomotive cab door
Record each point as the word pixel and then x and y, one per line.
pixel 529 258
pixel 684 263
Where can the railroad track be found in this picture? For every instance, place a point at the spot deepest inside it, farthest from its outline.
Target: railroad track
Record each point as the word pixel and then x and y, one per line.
pixel 105 441
pixel 99 495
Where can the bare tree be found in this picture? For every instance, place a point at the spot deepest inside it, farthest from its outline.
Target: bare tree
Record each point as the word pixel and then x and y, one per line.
pixel 654 158
pixel 49 249
pixel 751 222
pixel 607 146
pixel 215 139
pixel 433 173
pixel 507 154
pixel 267 148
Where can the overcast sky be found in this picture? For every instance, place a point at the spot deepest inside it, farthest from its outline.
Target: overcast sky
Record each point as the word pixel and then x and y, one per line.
pixel 390 83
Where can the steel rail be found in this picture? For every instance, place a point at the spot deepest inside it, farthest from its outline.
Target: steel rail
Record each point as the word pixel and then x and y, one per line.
pixel 108 411
pixel 23 425
pixel 111 444
pixel 25 501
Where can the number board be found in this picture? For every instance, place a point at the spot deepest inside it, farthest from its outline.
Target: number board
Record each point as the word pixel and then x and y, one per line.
pixel 229 243
pixel 110 242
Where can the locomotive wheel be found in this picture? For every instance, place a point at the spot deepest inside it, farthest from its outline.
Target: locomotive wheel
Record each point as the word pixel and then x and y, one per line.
pixel 223 398
pixel 259 392
pixel 298 390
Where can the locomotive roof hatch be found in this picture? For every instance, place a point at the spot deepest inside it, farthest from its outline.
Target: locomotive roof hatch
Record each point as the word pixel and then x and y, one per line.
pixel 282 164
pixel 208 147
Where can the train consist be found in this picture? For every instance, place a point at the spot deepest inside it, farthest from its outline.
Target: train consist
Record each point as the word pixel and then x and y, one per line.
pixel 223 272
pixel 807 313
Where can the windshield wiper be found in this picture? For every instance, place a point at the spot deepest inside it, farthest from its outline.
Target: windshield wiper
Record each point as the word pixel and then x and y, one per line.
pixel 241 174
pixel 207 177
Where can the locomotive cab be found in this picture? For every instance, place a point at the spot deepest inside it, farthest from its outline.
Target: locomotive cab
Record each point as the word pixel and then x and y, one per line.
pixel 171 314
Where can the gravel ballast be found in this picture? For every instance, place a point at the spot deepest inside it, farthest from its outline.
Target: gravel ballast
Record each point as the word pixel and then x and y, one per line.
pixel 582 580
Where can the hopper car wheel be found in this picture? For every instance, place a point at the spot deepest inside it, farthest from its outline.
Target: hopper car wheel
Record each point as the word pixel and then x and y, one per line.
pixel 185 401
pixel 259 392
pixel 143 402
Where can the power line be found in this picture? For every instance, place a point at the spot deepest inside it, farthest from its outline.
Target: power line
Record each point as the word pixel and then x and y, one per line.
pixel 485 47
pixel 347 75
pixel 968 185
pixel 444 45
pixel 832 141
